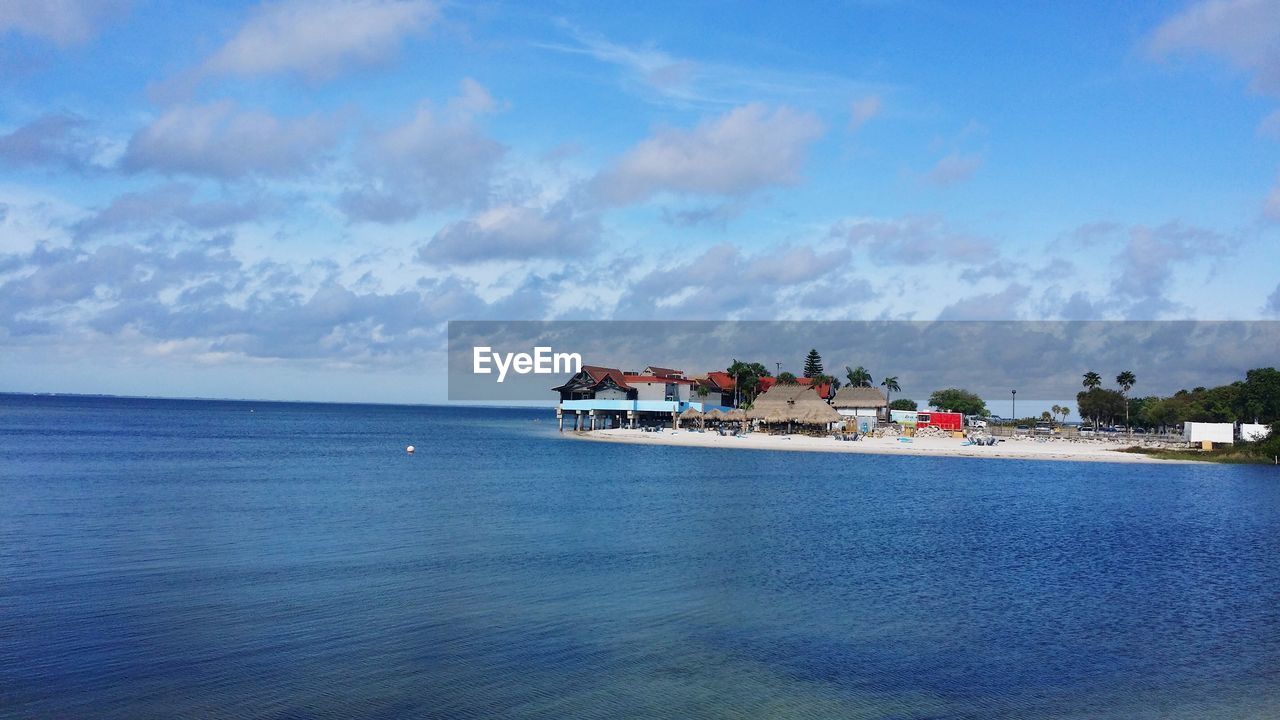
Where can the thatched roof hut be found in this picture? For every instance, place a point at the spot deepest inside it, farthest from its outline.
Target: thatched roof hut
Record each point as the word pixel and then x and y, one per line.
pixel 736 415
pixel 854 398
pixel 690 413
pixel 818 413
pixel 792 403
pixel 715 414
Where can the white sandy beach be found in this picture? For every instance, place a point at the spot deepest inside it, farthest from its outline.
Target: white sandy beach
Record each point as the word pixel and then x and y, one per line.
pixel 1015 449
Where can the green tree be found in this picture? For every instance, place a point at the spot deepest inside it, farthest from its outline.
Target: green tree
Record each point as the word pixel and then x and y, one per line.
pixel 890 385
pixel 958 400
pixel 1126 380
pixel 858 377
pixel 1091 380
pixel 831 383
pixel 813 364
pixel 1259 398
pixel 904 404
pixel 786 378
pixel 747 376
pixel 1100 404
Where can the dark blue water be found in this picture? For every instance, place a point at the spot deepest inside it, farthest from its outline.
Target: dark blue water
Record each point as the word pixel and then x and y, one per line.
pixel 178 558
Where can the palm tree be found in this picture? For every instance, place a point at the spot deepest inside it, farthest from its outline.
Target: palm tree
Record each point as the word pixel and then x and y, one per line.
pixel 1055 411
pixel 1091 381
pixel 1126 380
pixel 890 385
pixel 1064 411
pixel 859 377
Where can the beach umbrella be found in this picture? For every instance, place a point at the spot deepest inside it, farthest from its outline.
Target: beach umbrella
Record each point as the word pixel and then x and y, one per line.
pixel 691 413
pixel 736 415
pixel 715 414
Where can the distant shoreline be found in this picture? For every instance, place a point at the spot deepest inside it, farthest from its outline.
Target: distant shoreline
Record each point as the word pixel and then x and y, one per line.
pixel 1058 450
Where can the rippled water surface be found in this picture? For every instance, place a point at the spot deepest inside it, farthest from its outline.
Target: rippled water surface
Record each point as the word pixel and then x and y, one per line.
pixel 183 558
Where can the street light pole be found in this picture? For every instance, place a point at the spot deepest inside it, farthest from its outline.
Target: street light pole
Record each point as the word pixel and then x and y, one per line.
pixel 1014 411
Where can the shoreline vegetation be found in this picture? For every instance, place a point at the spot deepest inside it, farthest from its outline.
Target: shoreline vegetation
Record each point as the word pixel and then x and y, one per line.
pixel 1232 454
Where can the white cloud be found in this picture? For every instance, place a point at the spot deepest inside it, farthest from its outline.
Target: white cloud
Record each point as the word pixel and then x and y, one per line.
pixel 738 153
pixel 914 240
pixel 320 39
pixel 513 233
pixel 864 109
pixel 1244 32
pixel 1002 305
pixel 65 22
pixel 52 140
pixel 434 159
pixel 953 169
pixel 224 141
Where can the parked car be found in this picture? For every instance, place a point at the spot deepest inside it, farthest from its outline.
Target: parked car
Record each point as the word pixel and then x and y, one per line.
pixel 1044 428
pixel 977 422
pixel 1022 429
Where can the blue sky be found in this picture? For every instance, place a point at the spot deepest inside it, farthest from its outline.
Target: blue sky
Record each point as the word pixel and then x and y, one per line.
pixel 289 199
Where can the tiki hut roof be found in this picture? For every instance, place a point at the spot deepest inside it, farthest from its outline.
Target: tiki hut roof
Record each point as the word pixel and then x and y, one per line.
pixel 859 397
pixel 715 414
pixel 691 413
pixel 735 415
pixel 818 413
pixel 792 403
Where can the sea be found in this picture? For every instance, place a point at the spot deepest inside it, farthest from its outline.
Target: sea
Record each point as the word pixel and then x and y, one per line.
pixel 211 559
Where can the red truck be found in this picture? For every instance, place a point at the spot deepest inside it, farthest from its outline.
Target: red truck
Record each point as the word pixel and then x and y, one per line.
pixel 951 421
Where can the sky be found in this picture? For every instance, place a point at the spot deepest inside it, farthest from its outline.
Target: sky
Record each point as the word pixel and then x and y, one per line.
pixel 289 200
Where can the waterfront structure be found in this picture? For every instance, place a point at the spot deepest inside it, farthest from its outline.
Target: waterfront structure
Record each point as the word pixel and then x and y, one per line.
pixel 719 387
pixel 792 405
pixel 864 407
pixel 597 397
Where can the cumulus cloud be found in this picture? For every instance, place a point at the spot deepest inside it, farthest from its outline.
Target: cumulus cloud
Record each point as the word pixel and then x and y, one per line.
pixel 953 169
pixel 437 159
pixel 863 109
pixel 745 150
pixel 224 141
pixel 1244 32
pixel 1146 262
pixel 54 140
pixel 65 22
pixel 167 294
pixel 1273 301
pixel 719 214
pixel 724 281
pixel 513 233
pixel 914 240
pixel 1002 305
pixel 162 206
pixel 320 39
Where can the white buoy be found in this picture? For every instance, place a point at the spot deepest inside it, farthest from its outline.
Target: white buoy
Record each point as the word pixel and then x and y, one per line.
pixel 409 449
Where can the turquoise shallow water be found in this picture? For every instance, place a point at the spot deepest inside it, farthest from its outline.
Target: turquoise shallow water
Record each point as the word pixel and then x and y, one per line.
pixel 185 558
